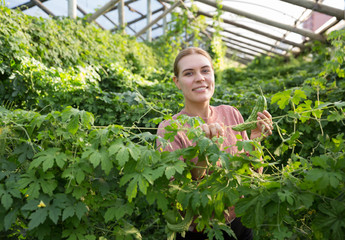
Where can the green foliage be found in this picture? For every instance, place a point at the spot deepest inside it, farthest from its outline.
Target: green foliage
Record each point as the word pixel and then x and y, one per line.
pixel 78 160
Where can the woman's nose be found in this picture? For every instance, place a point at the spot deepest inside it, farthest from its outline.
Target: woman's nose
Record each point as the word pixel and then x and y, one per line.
pixel 199 76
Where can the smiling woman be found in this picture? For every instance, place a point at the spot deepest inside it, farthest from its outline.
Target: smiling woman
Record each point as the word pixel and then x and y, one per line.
pixel 194 76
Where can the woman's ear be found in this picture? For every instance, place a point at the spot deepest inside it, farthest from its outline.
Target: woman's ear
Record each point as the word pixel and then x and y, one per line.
pixel 177 83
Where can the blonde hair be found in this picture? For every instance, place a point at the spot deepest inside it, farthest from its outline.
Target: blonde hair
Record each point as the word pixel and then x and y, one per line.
pixel 189 51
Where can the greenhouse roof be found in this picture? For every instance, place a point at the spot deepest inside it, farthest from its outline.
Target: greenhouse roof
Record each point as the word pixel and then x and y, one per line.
pixel 249 27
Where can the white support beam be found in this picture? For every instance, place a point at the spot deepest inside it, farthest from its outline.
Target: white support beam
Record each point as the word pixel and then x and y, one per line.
pixel 102 10
pixel 149 17
pixel 331 11
pixel 166 12
pixel 231 40
pixel 165 22
pixel 241 51
pixel 72 9
pixel 121 9
pixel 256 40
pixel 303 32
pixel 254 30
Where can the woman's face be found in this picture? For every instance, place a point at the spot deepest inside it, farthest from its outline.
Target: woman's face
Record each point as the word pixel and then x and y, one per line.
pixel 195 78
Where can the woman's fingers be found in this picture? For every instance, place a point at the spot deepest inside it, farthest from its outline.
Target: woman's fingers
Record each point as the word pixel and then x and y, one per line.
pixel 265 123
pixel 206 129
pixel 213 130
pixel 220 129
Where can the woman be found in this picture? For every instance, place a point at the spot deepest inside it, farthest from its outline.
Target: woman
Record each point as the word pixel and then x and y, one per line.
pixel 194 76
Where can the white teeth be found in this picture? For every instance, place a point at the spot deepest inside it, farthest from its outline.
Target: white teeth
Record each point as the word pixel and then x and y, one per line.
pixel 199 88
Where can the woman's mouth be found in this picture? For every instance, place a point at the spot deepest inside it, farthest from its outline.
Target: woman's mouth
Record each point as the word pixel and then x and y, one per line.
pixel 200 89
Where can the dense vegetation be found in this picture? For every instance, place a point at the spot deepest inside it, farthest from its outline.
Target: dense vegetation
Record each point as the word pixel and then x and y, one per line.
pixel 78 116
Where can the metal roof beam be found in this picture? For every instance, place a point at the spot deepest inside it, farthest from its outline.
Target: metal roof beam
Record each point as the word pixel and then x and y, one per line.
pixel 126 4
pixel 303 32
pixel 85 13
pixel 24 6
pixel 102 10
pixel 244 47
pixel 241 51
pixel 138 19
pixel 237 58
pixel 255 30
pixel 41 6
pixel 256 40
pixel 144 16
pixel 331 11
pixel 228 39
pixel 166 12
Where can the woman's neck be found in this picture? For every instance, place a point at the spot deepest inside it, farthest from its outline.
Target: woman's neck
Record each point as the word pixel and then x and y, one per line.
pixel 201 110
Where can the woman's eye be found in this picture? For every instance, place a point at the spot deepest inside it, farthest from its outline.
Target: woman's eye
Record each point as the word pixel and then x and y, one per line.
pixel 188 74
pixel 206 70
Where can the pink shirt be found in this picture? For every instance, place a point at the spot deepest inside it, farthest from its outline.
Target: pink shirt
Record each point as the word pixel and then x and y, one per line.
pixel 222 114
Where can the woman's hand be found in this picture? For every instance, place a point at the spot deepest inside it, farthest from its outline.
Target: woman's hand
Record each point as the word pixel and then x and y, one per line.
pixel 213 130
pixel 264 126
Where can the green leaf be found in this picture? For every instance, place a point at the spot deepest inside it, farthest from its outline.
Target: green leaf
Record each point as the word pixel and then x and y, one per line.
pixel 143 184
pixel 67 212
pixel 90 237
pixel 244 204
pixel 60 159
pixel 48 186
pixel 36 162
pixel 68 112
pixel 162 201
pixel 155 174
pixel 110 214
pixel 79 175
pixel 134 151
pixel 169 172
pixel 80 210
pixel 95 158
pixel 118 211
pixel 106 162
pixel 9 219
pixel 33 190
pixel 282 98
pixel 54 213
pixel 122 156
pixel 38 217
pixel 335 116
pixel 131 190
pixel 47 163
pixel 31 205
pixel 339 104
pixel 6 201
pixel 286 195
pixel 306 198
pixel 47 158
pixel 87 119
pixel 115 147
pixel 298 95
pixel 203 144
pixel 73 125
